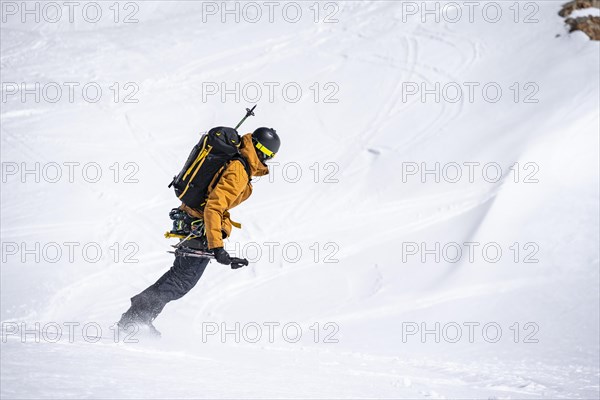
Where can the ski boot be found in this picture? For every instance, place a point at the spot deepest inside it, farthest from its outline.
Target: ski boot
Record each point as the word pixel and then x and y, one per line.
pixel 137 320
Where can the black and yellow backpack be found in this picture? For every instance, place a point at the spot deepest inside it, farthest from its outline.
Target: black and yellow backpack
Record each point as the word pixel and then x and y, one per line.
pixel 215 150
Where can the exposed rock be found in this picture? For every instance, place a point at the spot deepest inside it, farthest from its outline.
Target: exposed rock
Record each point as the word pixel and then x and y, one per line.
pixel 589 25
pixel 571 6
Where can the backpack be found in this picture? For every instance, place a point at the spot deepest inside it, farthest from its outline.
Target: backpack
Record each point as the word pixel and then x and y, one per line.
pixel 209 157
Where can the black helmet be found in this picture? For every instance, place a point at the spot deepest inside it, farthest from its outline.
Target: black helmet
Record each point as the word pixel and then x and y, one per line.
pixel 266 141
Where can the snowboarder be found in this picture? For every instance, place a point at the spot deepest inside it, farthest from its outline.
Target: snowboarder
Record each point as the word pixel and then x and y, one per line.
pixel 229 187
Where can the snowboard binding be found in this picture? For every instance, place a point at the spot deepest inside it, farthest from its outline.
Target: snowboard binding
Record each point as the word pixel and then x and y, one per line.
pixel 193 243
pixel 186 228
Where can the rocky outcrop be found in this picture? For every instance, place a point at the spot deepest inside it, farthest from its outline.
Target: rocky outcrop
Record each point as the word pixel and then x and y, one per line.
pixel 590 25
pixel 571 6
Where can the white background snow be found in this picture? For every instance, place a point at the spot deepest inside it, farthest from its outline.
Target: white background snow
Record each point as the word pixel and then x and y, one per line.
pixel 357 222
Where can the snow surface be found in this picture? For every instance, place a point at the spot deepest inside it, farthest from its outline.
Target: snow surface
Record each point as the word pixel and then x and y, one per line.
pixel 584 12
pixel 369 136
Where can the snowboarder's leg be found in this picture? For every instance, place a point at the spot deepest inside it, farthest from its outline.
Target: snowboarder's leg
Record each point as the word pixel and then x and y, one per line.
pixel 177 281
pixel 174 284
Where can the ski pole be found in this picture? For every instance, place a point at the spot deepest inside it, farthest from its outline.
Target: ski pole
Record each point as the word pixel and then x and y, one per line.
pixel 249 112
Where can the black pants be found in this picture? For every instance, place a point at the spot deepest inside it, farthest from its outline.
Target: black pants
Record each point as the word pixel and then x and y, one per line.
pixel 174 284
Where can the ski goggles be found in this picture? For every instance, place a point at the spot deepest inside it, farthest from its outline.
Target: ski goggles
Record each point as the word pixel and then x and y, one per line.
pixel 267 154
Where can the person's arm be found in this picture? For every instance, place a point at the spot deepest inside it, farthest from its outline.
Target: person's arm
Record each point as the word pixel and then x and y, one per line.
pixel 228 189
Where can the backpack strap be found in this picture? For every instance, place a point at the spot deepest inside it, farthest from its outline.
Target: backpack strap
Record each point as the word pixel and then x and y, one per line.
pixel 245 164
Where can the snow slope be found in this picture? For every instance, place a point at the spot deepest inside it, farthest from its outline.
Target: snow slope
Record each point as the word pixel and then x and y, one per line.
pixel 360 212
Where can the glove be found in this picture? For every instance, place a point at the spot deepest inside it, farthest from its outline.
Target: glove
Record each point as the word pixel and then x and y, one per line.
pixel 222 256
pixel 238 262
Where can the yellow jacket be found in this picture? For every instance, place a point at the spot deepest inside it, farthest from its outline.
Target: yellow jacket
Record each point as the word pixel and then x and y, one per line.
pixel 233 188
